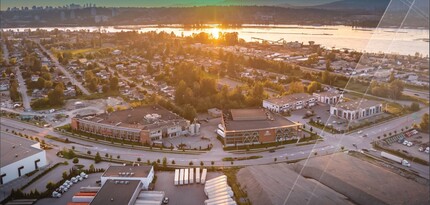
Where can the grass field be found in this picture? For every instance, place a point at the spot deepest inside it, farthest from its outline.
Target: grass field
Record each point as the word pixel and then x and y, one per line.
pixel 78 51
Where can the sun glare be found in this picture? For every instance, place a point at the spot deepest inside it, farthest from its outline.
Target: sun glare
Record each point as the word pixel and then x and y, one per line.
pixel 215 32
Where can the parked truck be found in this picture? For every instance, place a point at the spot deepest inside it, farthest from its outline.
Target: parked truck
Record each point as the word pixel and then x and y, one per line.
pixel 176 180
pixel 203 177
pixel 396 159
pixel 197 175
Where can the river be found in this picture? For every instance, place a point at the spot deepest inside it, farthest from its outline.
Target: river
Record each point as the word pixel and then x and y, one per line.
pixel 387 40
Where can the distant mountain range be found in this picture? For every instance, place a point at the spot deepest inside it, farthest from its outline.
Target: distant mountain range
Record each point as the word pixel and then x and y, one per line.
pixel 356 4
pixel 368 5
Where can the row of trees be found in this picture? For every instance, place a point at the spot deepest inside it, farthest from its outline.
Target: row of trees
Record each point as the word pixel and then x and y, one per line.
pixel 391 90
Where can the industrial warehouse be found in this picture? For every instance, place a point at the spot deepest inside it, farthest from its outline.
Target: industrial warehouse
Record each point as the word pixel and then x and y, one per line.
pixel 143 124
pixel 252 126
pixel 19 156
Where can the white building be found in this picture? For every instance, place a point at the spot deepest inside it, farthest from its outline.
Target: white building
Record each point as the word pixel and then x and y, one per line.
pixel 289 102
pixel 356 110
pixel 19 156
pixel 143 173
pixel 328 97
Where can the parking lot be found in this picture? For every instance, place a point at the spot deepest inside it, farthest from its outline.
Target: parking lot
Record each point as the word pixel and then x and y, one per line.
pixel 418 140
pixel 185 194
pixel 67 197
pixel 206 136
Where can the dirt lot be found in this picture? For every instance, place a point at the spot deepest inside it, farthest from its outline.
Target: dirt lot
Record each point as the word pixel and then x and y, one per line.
pixel 333 179
pixel 362 182
pixel 272 184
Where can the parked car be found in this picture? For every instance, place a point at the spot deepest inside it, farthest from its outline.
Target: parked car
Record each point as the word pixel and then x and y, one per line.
pixel 166 200
pixel 359 132
pixel 421 149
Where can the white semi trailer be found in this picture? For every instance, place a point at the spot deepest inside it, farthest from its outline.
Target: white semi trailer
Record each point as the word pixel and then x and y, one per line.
pixel 396 159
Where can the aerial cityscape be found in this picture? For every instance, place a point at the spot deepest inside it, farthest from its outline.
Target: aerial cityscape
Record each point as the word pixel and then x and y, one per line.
pixel 217 102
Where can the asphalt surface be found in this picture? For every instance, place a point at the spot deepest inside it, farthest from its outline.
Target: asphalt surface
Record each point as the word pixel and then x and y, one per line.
pixel 23 90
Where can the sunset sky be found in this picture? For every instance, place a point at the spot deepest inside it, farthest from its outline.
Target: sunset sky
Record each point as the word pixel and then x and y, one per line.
pixel 159 3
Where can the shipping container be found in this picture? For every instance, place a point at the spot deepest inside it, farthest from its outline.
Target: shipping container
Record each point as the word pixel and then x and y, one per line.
pixel 220 199
pixel 176 180
pixel 198 175
pixel 86 199
pixel 89 189
pixel 209 183
pixel 204 173
pixel 223 202
pixel 85 194
pixel 212 195
pixel 218 189
pixel 186 177
pixel 191 175
pixel 219 184
pixel 232 202
pixel 217 193
pixel 181 177
pixel 216 178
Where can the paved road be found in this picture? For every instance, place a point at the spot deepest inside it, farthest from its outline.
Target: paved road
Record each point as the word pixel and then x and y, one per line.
pixel 66 73
pixel 23 90
pixel 417 93
pixel 5 53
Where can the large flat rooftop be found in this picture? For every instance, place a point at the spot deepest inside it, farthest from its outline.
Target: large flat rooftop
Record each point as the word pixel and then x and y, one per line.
pixel 127 171
pixel 14 148
pixel 357 104
pixel 139 118
pixel 289 99
pixel 253 119
pixel 116 192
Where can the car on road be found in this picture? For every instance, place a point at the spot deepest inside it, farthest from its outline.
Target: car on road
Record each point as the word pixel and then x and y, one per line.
pixel 359 132
pixel 272 150
pixel 416 94
pixel 365 135
pixel 166 200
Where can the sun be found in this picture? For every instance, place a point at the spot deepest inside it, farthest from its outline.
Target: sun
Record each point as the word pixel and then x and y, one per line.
pixel 215 32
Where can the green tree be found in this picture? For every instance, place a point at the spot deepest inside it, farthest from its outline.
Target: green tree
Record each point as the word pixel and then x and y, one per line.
pixel 415 106
pixel 92 168
pixel 65 175
pixel 50 185
pixel 314 86
pixel 396 88
pixel 113 85
pixel 326 77
pixel 296 87
pixel 98 158
pixel 424 124
pixel 392 78
pixel 75 160
pixel 189 112
pixel 164 162
pixel 56 96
